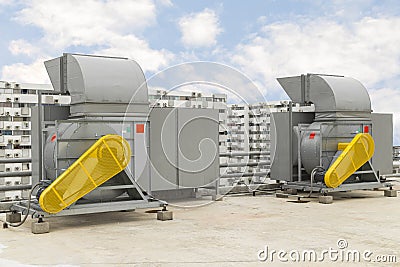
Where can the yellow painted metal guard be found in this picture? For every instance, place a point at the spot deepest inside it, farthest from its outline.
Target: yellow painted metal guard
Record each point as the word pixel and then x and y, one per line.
pixel 102 161
pixel 342 146
pixel 355 154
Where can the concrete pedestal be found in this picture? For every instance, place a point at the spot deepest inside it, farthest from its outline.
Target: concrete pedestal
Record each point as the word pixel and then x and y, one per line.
pixel 325 199
pixel 390 193
pixel 164 215
pixel 40 227
pixel 13 217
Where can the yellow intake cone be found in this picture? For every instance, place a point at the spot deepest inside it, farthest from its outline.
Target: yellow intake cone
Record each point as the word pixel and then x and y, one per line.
pixel 102 161
pixel 354 155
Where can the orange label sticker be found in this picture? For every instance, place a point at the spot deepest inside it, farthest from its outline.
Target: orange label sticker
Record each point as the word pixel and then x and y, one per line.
pixel 139 128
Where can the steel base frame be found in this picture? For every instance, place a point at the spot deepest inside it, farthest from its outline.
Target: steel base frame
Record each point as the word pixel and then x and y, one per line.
pixel 321 188
pixel 89 208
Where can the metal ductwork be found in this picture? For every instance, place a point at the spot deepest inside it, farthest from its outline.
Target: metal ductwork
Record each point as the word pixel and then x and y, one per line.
pixel 92 82
pixel 334 97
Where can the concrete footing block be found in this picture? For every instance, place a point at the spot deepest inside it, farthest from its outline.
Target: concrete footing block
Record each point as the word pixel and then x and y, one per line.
pixel 40 227
pixel 325 199
pixel 14 217
pixel 217 197
pixel 164 215
pixel 390 193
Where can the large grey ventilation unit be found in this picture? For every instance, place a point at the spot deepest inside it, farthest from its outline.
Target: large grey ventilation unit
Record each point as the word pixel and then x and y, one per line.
pixel 109 97
pixel 309 148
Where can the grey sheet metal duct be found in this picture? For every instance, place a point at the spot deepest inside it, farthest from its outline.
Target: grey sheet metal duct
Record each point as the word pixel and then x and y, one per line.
pixel 334 97
pixel 93 80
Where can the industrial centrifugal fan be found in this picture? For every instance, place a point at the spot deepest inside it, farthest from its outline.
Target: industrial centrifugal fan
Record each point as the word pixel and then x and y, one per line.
pixel 341 146
pixel 107 157
pixel 95 155
pixel 87 157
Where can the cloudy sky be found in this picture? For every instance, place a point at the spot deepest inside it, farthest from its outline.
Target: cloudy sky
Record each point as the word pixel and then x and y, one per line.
pixel 264 39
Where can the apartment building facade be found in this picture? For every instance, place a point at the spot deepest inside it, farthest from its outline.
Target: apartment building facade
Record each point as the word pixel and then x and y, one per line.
pixel 16 100
pixel 249 131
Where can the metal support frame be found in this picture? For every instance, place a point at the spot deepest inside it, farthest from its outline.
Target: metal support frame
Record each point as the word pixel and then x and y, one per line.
pixel 36 211
pixel 321 188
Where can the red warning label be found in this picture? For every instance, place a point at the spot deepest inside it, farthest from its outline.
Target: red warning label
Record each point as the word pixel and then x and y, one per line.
pixel 139 128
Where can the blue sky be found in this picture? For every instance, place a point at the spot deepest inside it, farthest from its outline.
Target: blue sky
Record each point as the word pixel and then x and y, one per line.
pixel 264 39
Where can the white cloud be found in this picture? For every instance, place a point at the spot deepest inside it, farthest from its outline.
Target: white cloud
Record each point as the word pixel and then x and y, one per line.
pixel 167 3
pixel 22 47
pixel 200 29
pixel 110 27
pixel 348 10
pixel 323 46
pixel 5 2
pixel 26 73
pixel 87 22
pixel 385 100
pixel 137 49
